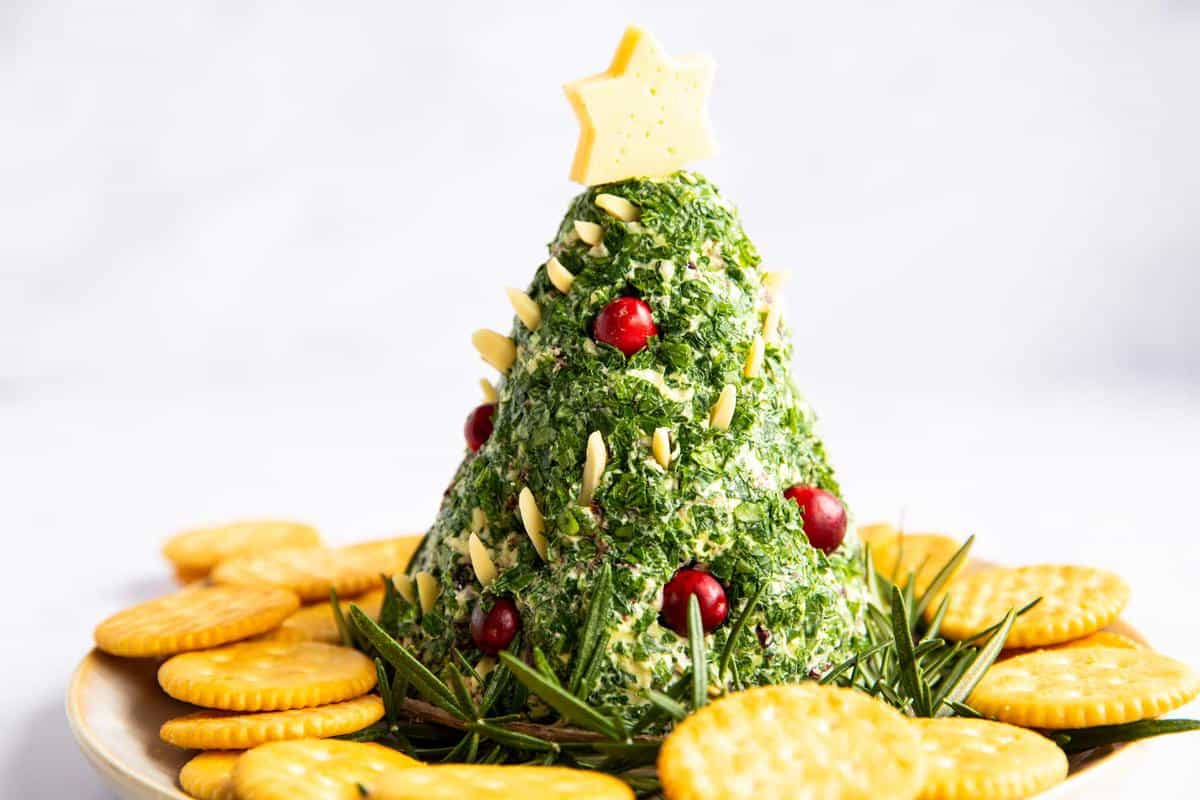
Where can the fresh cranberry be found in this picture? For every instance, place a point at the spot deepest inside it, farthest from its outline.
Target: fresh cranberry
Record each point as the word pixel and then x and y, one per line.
pixel 824 516
pixel 479 425
pixel 625 323
pixel 493 630
pixel 709 594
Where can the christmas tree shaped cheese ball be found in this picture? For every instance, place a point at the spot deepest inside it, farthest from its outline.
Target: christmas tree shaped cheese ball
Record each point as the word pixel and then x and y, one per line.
pixel 645 438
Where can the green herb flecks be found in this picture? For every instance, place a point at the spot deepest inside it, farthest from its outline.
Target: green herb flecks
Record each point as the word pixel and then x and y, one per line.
pixel 719 502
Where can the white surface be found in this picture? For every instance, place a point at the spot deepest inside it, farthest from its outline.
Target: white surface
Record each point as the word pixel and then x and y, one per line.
pixel 242 248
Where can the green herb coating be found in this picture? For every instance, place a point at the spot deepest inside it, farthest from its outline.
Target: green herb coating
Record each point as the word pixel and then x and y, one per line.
pixel 719 503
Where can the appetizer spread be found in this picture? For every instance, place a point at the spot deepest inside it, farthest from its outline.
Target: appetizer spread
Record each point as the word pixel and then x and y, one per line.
pixel 643 578
pixel 645 423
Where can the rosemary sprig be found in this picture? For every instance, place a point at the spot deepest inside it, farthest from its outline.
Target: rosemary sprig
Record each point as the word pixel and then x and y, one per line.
pixel 511 738
pixel 699 654
pixel 543 665
pixel 495 686
pixel 590 644
pixel 738 625
pixel 389 612
pixel 943 575
pixel 1077 741
pixel 566 704
pixel 344 630
pixel 911 676
pixel 902 661
pixel 461 693
pixel 426 683
pixel 667 704
pixel 384 685
pixel 956 693
pixel 905 662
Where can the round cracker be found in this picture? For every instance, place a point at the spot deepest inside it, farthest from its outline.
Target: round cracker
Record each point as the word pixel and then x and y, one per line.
pixel 1102 639
pixel 209 776
pixel 985 760
pixel 1075 601
pixel 316 623
pixel 1083 687
pixel 898 555
pixel 194 619
pixel 312 572
pixel 268 676
pixel 185 576
pixel 314 769
pixel 1097 639
pixel 393 554
pixel 230 730
pixel 456 781
pixel 796 741
pixel 874 531
pixel 195 552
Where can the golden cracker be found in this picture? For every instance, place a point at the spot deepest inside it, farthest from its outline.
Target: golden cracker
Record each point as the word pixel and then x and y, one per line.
pixel 1097 639
pixel 1075 601
pixel 268 676
pixel 1102 639
pixel 985 760
pixel 898 555
pixel 392 554
pixel 875 531
pixel 185 576
pixel 209 776
pixel 1083 687
pixel 231 730
pixel 459 781
pixel 314 769
pixel 793 741
pixel 316 623
pixel 197 551
pixel 310 572
pixel 194 619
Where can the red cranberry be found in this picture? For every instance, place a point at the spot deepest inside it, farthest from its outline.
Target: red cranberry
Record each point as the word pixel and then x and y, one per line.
pixel 824 516
pixel 479 425
pixel 625 323
pixel 493 630
pixel 709 593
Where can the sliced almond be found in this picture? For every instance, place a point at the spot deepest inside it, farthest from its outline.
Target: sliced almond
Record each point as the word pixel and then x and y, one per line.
pixel 527 310
pixel 754 359
pixel 559 275
pixel 406 588
pixel 771 323
pixel 495 348
pixel 774 279
pixel 589 232
pixel 722 410
pixel 619 207
pixel 532 519
pixel 481 560
pixel 593 467
pixel 660 445
pixel 489 391
pixel 428 590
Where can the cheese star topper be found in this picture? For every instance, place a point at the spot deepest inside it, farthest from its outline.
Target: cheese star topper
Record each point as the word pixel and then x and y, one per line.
pixel 644 116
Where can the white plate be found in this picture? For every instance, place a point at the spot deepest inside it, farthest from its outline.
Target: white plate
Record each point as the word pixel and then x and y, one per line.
pixel 116 708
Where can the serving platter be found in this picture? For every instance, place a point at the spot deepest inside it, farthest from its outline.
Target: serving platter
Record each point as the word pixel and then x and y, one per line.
pixel 115 709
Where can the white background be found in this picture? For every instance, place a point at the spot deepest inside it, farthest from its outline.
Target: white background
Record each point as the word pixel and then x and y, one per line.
pixel 242 247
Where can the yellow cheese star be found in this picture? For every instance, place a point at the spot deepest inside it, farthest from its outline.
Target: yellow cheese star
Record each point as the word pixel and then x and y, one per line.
pixel 642 117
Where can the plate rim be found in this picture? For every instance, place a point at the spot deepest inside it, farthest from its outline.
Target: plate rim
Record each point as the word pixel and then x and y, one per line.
pixel 119 774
